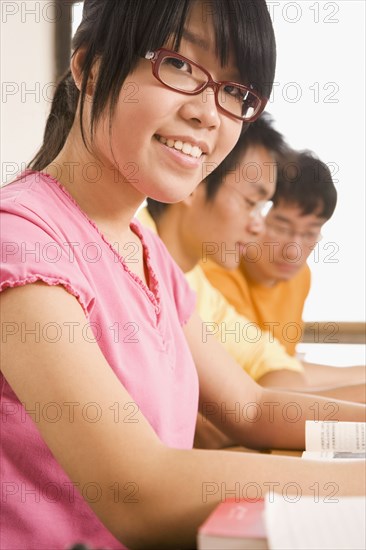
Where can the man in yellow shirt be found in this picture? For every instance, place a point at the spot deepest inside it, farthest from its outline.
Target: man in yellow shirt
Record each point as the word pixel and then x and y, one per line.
pixel 217 221
pixel 256 351
pixel 273 280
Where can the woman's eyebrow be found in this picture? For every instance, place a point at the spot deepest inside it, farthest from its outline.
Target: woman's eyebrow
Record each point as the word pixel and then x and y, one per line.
pixel 195 39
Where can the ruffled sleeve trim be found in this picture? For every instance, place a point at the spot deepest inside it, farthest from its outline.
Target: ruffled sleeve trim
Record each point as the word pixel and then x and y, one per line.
pixel 51 281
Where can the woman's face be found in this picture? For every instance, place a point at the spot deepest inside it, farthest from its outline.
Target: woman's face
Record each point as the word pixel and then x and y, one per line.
pixel 148 113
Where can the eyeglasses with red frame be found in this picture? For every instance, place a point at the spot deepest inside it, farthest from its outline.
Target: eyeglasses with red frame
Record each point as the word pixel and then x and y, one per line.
pixel 188 77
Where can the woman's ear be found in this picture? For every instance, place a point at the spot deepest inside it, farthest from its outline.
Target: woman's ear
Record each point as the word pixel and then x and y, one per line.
pixel 76 66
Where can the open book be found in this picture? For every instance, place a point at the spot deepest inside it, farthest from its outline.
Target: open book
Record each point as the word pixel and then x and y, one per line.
pixel 309 523
pixel 335 440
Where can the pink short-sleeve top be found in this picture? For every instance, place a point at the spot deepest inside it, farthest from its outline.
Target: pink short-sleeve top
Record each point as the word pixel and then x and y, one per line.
pixel 45 236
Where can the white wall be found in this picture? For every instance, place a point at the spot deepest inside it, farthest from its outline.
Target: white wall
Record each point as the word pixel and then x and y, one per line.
pixel 321 51
pixel 27 54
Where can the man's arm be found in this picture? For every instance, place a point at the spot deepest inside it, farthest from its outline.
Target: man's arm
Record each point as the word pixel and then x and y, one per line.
pixel 254 416
pixel 347 383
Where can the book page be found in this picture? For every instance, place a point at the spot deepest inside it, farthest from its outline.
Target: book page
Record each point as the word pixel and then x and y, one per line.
pixel 337 524
pixel 335 436
pixel 333 455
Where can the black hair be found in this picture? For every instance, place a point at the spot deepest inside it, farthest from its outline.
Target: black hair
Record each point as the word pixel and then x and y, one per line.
pixel 305 181
pixel 119 32
pixel 258 133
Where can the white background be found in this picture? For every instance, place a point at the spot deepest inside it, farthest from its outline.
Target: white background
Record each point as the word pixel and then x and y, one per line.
pixel 325 44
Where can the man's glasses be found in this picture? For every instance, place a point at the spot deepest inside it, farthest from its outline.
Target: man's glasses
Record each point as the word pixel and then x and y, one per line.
pixel 183 75
pixel 284 233
pixel 253 208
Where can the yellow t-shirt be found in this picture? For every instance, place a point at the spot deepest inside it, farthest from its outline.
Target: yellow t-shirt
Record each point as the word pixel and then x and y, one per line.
pixel 257 351
pixel 277 309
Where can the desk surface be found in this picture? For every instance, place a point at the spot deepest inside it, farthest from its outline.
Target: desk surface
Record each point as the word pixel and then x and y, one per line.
pixel 281 452
pixel 337 355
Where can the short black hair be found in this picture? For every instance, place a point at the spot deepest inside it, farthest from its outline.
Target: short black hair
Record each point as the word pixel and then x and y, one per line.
pixel 258 133
pixel 305 181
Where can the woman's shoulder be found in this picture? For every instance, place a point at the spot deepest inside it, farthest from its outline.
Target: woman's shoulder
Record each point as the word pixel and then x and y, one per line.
pixel 26 183
pixel 36 203
pixel 34 194
pixel 41 234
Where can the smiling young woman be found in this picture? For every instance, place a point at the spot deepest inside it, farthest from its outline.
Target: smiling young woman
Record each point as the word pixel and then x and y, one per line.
pixel 102 355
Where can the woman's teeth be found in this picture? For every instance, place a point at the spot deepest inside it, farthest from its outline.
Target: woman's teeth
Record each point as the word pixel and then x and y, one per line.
pixel 183 146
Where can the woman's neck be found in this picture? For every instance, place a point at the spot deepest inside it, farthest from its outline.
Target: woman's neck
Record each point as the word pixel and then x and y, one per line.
pixel 101 191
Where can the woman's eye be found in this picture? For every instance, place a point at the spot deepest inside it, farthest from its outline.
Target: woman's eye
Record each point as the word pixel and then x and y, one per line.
pixel 234 91
pixel 178 64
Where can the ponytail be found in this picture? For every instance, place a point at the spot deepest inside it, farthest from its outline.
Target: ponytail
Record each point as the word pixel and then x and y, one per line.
pixel 59 122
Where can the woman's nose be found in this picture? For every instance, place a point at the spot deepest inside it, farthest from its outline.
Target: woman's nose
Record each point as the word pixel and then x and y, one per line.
pixel 202 108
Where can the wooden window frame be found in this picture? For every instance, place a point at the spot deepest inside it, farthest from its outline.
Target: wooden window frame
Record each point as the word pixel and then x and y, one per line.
pixel 334 332
pixel 63 35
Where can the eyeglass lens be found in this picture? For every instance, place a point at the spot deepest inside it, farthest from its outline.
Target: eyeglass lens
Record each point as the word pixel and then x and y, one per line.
pixel 188 77
pixel 287 233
